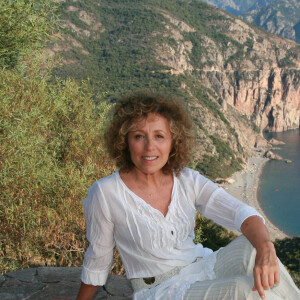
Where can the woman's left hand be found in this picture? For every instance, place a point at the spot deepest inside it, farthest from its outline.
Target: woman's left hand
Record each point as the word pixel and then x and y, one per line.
pixel 266 270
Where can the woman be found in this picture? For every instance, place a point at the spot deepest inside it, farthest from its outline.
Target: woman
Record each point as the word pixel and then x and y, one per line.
pixel 148 208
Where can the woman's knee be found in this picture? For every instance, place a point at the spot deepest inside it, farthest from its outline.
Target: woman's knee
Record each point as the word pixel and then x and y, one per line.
pixel 242 288
pixel 237 258
pixel 249 254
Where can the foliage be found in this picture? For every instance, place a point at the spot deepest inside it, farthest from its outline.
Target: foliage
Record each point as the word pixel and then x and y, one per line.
pixel 51 152
pixel 214 167
pixel 288 251
pixel 121 57
pixel 210 234
pixel 203 97
pixel 222 165
pixel 24 25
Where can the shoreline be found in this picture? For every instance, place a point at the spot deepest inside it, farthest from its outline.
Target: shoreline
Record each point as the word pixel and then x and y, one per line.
pixel 245 188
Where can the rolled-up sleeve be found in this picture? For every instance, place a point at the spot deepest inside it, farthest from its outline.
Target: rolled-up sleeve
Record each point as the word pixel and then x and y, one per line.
pixel 215 203
pixel 99 231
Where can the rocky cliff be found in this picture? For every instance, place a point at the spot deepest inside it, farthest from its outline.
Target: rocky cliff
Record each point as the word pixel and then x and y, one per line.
pixel 256 73
pixel 237 7
pixel 281 17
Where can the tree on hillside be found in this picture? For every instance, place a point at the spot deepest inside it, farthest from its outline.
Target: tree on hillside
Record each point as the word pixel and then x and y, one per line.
pixel 51 149
pixel 25 25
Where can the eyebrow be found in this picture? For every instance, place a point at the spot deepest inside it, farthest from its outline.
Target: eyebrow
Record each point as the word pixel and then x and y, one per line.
pixel 158 130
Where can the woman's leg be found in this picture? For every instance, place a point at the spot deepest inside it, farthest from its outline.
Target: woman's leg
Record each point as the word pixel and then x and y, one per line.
pixel 236 259
pixel 234 277
pixel 232 288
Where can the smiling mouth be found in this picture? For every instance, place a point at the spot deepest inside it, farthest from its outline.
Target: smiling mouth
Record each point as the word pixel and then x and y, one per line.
pixel 150 157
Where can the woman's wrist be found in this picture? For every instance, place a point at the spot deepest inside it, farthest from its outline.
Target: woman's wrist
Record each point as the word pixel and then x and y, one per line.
pixel 266 245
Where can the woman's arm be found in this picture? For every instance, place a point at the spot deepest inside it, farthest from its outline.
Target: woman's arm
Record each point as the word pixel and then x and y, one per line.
pixel 99 255
pixel 86 292
pixel 266 270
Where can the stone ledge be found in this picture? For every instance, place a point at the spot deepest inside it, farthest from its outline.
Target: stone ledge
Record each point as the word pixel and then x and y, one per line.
pixel 57 283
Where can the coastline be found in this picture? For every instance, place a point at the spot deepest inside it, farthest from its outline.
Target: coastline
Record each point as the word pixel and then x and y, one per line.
pixel 245 188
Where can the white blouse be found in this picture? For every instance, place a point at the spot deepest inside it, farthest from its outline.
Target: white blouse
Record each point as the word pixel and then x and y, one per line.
pixel 150 243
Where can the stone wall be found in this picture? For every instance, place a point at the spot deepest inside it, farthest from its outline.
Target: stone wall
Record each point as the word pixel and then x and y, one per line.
pixel 57 283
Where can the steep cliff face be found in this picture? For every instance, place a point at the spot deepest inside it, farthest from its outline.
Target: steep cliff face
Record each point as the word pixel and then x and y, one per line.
pixel 256 73
pixel 269 97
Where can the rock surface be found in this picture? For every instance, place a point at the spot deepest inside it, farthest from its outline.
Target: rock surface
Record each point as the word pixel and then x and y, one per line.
pixel 271 155
pixel 276 142
pixel 57 283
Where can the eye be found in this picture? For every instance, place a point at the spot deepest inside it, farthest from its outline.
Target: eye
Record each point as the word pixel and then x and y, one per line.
pixel 138 136
pixel 159 136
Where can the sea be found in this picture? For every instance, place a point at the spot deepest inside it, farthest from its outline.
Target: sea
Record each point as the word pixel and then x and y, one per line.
pixel 279 184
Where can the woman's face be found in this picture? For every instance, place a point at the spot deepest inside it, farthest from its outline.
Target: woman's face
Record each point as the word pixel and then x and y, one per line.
pixel 150 143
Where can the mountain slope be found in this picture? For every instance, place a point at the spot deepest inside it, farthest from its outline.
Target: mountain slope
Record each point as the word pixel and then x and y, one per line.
pixel 238 7
pixel 282 17
pixel 236 80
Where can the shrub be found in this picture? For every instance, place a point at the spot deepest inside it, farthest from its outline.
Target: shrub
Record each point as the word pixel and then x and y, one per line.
pixel 24 26
pixel 51 153
pixel 51 149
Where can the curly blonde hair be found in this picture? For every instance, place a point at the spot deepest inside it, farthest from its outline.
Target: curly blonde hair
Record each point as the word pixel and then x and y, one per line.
pixel 130 109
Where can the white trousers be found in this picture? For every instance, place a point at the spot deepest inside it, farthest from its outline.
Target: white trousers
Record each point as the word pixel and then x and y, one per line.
pixel 234 277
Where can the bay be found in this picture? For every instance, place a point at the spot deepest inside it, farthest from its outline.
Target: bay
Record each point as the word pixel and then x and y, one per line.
pixel 279 184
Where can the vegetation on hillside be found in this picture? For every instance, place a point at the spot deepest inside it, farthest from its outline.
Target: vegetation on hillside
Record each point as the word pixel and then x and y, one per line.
pixel 120 58
pixel 125 45
pixel 51 151
pixel 24 27
pixel 119 51
pixel 288 251
pixel 120 55
pixel 210 234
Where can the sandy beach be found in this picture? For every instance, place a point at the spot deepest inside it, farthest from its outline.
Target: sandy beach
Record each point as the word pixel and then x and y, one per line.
pixel 245 187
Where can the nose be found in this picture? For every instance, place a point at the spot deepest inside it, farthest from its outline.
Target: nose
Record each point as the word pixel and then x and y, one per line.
pixel 149 144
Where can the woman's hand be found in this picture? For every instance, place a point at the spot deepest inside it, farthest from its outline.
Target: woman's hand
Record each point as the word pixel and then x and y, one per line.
pixel 266 270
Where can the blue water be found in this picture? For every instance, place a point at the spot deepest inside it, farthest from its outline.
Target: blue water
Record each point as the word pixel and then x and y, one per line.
pixel 279 187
